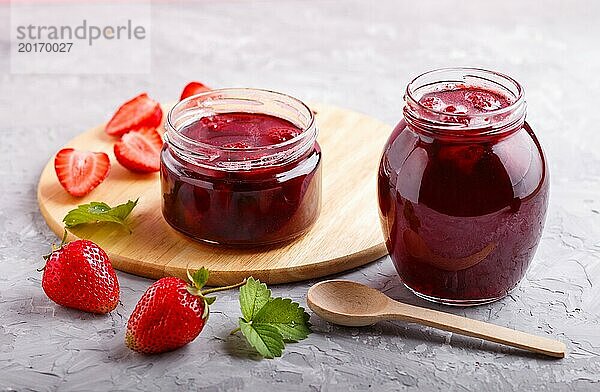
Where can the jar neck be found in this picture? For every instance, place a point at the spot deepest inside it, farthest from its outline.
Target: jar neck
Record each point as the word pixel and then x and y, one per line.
pixel 464 126
pixel 215 102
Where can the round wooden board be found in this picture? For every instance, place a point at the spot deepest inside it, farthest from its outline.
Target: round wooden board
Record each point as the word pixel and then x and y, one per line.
pixel 346 235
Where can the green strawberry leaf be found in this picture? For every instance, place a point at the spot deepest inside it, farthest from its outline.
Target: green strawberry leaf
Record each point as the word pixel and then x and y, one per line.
pixel 267 322
pixel 266 339
pixel 198 277
pixel 253 296
pixel 95 212
pixel 288 317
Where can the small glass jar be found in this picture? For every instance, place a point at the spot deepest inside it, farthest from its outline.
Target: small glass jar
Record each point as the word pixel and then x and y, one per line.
pixel 462 196
pixel 241 196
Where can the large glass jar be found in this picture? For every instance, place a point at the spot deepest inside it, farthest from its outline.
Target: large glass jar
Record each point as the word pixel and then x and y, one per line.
pixel 241 167
pixel 463 187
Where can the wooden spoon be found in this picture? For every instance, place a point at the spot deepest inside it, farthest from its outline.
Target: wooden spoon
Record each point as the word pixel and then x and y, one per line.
pixel 353 304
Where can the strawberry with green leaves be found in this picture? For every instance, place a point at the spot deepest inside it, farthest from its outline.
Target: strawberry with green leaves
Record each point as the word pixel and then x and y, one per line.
pixel 80 275
pixel 170 314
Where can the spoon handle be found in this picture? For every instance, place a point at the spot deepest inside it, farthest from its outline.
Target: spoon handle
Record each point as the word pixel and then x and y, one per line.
pixel 464 326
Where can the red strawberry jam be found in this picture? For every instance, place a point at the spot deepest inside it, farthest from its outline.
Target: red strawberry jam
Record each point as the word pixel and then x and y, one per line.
pixel 241 130
pixel 463 187
pixel 241 178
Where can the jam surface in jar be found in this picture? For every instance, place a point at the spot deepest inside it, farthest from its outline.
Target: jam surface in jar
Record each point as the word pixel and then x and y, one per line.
pixel 467 100
pixel 231 197
pixel 462 208
pixel 241 130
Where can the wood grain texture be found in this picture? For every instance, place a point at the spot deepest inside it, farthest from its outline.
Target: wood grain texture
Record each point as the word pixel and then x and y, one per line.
pixel 346 235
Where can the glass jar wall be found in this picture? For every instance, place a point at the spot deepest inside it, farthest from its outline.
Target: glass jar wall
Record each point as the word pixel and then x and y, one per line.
pixel 463 187
pixel 241 167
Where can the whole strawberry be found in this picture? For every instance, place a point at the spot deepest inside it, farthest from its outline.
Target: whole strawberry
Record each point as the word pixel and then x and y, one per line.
pixel 79 275
pixel 170 314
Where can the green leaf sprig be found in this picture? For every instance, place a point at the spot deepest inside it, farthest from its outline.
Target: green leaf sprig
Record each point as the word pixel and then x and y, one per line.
pixel 96 212
pixel 268 323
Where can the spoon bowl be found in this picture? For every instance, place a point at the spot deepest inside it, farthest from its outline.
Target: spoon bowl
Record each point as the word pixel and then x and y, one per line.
pixel 350 303
pixel 353 304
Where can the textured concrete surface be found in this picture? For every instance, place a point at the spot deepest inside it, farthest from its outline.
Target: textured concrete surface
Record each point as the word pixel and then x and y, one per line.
pixel 355 54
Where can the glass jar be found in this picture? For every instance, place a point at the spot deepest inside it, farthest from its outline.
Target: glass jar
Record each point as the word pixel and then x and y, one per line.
pixel 241 194
pixel 463 187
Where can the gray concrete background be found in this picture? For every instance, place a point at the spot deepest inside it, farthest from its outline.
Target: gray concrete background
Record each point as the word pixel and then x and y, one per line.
pixel 354 54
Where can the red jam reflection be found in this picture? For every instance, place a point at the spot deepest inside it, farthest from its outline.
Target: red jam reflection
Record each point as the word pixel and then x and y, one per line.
pixel 247 207
pixel 462 215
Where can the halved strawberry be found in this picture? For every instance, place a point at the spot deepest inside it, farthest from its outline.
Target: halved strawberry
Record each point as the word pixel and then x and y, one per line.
pixel 139 112
pixel 80 171
pixel 193 88
pixel 139 151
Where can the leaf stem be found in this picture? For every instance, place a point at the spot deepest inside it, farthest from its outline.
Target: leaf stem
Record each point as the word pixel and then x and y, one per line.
pixel 64 238
pixel 238 329
pixel 214 290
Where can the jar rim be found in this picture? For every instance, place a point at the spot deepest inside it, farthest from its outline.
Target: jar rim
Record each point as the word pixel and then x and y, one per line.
pixel 519 98
pixel 247 100
pixel 293 140
pixel 490 122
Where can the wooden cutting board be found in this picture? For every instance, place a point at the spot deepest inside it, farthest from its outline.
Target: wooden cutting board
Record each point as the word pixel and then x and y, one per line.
pixel 346 235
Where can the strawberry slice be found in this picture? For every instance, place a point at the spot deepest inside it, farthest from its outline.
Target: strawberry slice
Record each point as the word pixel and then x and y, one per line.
pixel 139 151
pixel 139 112
pixel 80 171
pixel 193 88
